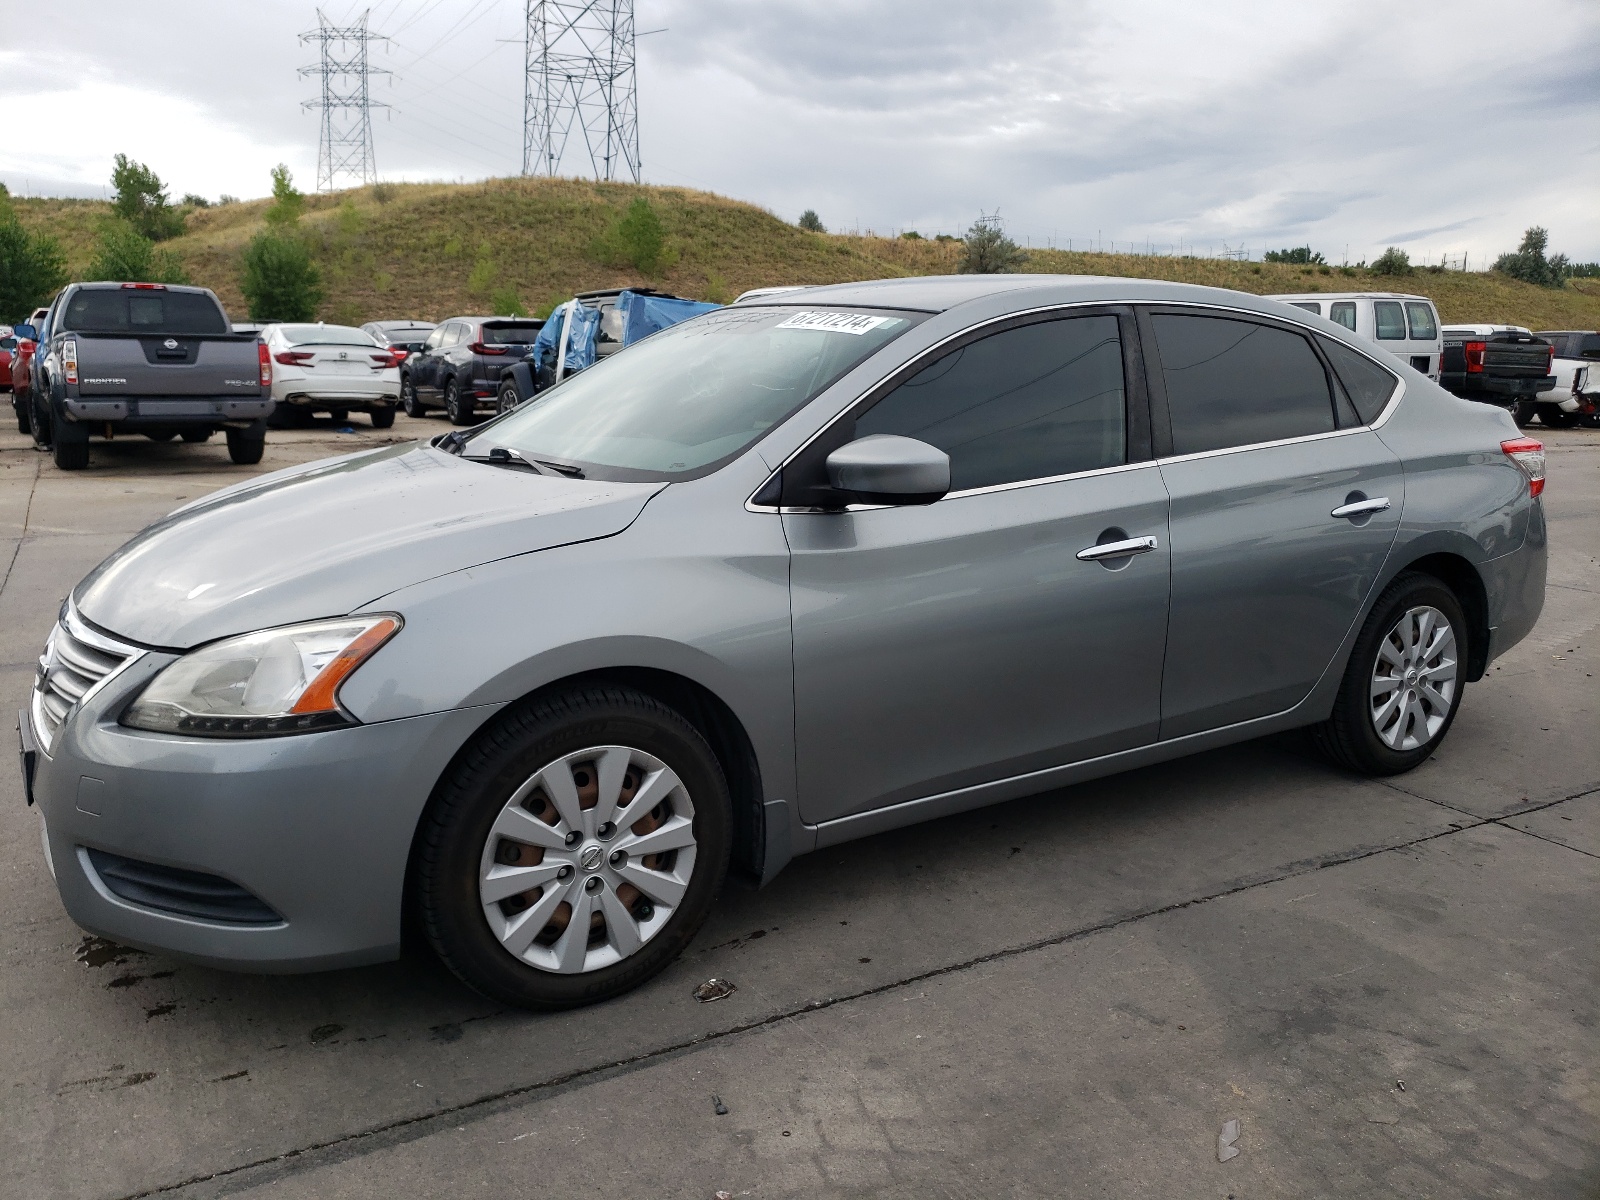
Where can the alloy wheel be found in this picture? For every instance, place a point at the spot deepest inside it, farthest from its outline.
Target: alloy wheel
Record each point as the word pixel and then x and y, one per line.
pixel 1414 679
pixel 588 859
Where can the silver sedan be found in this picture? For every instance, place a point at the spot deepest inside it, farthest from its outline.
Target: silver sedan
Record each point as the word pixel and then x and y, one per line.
pixel 817 566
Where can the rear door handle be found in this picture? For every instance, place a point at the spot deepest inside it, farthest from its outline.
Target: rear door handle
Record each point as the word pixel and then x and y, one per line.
pixel 1138 545
pixel 1361 507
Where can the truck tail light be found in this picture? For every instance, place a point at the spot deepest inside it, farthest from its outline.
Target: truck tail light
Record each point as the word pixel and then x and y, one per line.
pixel 1474 352
pixel 486 348
pixel 265 356
pixel 69 359
pixel 293 358
pixel 1528 454
pixel 147 287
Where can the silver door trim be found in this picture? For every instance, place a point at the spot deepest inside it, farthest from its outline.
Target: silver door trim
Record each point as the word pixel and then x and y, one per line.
pixel 1123 549
pixel 1362 508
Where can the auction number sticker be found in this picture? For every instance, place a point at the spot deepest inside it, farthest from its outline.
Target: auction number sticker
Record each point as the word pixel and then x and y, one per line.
pixel 834 322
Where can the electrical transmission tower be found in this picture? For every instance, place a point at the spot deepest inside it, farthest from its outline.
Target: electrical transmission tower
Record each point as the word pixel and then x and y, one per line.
pixel 345 146
pixel 579 60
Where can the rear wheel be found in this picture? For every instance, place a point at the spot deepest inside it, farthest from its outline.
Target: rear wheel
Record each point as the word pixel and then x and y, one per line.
pixel 1402 687
pixel 508 398
pixel 457 404
pixel 1523 412
pixel 574 850
pixel 246 446
pixel 24 423
pixel 382 418
pixel 408 398
pixel 70 445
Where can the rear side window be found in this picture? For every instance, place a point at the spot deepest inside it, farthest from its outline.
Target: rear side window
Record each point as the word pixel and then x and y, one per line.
pixel 510 335
pixel 1390 319
pixel 1343 312
pixel 1234 383
pixel 1027 403
pixel 1419 317
pixel 8 343
pixel 1589 346
pixel 1311 306
pixel 137 310
pixel 1368 385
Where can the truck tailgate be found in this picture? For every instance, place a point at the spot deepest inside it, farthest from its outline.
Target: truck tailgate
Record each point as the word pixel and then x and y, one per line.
pixel 168 365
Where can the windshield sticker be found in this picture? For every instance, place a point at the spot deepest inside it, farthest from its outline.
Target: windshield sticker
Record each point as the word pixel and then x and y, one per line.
pixel 834 322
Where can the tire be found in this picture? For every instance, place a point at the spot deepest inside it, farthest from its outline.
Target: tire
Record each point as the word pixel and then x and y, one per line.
pixel 458 850
pixel 70 447
pixel 1553 417
pixel 166 435
pixel 42 427
pixel 457 405
pixel 1351 737
pixel 339 416
pixel 1523 412
pixel 1591 420
pixel 246 446
pixel 508 397
pixel 195 436
pixel 24 417
pixel 382 418
pixel 408 398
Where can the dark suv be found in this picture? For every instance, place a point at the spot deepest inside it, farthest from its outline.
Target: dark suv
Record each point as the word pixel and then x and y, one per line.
pixel 459 365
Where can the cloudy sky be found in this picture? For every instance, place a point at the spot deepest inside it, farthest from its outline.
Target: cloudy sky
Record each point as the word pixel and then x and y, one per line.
pixel 1351 125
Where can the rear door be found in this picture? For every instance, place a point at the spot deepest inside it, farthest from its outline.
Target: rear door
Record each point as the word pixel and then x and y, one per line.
pixel 1258 459
pixel 426 372
pixel 1423 342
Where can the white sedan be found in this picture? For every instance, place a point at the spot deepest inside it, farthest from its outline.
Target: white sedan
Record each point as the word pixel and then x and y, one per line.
pixel 332 369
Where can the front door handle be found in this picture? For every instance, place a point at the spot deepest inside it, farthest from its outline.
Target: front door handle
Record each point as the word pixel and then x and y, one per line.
pixel 1123 549
pixel 1361 508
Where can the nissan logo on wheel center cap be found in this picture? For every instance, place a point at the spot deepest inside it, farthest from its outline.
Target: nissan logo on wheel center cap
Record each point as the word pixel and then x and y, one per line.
pixel 591 858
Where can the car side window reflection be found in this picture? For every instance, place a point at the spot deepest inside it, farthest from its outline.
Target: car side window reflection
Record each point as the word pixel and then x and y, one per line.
pixel 1234 383
pixel 1032 402
pixel 435 338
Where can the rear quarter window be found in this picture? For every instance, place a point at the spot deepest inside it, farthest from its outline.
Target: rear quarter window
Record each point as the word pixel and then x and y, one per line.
pixel 1368 385
pixel 1419 318
pixel 1390 320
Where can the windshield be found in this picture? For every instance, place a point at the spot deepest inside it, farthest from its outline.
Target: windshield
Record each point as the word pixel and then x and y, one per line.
pixel 326 335
pixel 685 400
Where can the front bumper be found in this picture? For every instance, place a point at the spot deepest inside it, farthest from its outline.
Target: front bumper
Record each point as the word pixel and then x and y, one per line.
pixel 317 826
pixel 167 411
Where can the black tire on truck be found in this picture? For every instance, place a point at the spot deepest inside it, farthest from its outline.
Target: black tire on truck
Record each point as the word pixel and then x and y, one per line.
pixel 71 445
pixel 246 446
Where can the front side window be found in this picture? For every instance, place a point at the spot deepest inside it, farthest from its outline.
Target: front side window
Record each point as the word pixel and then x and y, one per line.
pixel 1311 306
pixel 436 338
pixel 1390 320
pixel 1589 346
pixel 1032 402
pixel 1419 317
pixel 692 397
pixel 1235 383
pixel 1367 384
pixel 1343 312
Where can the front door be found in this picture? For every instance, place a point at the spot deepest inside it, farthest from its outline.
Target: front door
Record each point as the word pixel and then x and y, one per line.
pixel 1284 507
pixel 953 644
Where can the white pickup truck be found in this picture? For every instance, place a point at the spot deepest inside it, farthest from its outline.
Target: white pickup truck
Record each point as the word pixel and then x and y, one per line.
pixel 1575 397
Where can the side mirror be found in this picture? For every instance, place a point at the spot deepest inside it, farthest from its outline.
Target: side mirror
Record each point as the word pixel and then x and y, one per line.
pixel 25 331
pixel 885 468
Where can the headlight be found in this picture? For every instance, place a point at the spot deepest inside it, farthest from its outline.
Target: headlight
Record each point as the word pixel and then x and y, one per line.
pixel 272 682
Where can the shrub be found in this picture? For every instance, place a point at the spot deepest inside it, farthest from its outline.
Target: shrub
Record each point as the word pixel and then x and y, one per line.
pixel 140 199
pixel 911 235
pixel 1296 254
pixel 717 289
pixel 506 303
pixel 31 266
pixel 1393 261
pixel 227 199
pixel 636 238
pixel 383 192
pixel 1529 263
pixel 194 200
pixel 945 237
pixel 287 202
pixel 481 280
pixel 989 251
pixel 810 221
pixel 280 281
pixel 125 255
pixel 1583 271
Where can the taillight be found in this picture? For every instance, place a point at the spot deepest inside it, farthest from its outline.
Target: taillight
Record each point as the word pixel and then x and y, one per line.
pixel 1550 359
pixel 1474 352
pixel 391 359
pixel 69 359
pixel 147 287
pixel 293 358
pixel 1528 454
pixel 486 348
pixel 265 356
pixel 24 347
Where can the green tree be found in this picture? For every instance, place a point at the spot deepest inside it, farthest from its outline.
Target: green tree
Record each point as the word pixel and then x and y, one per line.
pixel 124 255
pixel 1393 261
pixel 140 199
pixel 506 303
pixel 1529 263
pixel 989 251
pixel 636 238
pixel 1296 254
pixel 280 281
pixel 810 221
pixel 287 202
pixel 31 267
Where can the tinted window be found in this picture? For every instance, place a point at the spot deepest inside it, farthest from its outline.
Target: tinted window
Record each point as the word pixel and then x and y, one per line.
pixel 1420 319
pixel 1589 346
pixel 1311 306
pixel 1039 400
pixel 510 335
pixel 1390 319
pixel 1343 312
pixel 138 310
pixel 436 338
pixel 1368 385
pixel 9 343
pixel 1232 383
pixel 326 335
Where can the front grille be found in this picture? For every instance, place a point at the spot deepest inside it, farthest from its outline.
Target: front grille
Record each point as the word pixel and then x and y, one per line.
pixel 185 893
pixel 76 659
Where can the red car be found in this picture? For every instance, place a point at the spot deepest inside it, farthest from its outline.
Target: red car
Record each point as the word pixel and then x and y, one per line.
pixel 16 367
pixel 8 345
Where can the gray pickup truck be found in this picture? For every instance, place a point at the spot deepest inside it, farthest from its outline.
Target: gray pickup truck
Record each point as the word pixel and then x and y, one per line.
pixel 145 358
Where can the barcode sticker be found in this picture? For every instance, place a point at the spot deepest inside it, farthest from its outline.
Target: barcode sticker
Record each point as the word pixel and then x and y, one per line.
pixel 834 322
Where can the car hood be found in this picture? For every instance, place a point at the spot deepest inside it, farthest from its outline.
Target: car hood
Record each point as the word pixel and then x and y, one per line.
pixel 327 538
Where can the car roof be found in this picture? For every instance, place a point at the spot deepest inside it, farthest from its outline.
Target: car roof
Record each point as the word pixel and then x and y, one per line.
pixel 1346 296
pixel 108 285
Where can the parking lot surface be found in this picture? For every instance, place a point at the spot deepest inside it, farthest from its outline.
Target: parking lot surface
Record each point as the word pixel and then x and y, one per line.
pixel 1390 985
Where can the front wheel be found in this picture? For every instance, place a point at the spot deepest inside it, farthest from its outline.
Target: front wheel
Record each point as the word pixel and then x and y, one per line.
pixel 1402 688
pixel 382 418
pixel 575 849
pixel 457 404
pixel 245 446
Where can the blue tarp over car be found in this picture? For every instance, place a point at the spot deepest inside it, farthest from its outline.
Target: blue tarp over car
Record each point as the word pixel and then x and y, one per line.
pixel 643 315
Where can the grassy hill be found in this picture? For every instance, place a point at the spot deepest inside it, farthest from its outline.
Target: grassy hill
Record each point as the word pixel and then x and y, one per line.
pixel 436 250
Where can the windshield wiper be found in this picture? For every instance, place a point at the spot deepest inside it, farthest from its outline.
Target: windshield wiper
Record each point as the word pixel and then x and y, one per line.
pixel 561 468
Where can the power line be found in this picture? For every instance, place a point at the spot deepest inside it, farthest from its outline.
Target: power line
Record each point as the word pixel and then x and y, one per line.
pixel 578 65
pixel 344 147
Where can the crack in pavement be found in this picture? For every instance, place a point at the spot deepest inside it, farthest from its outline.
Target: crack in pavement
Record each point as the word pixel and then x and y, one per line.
pixel 27 514
pixel 414 1127
pixel 1501 821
